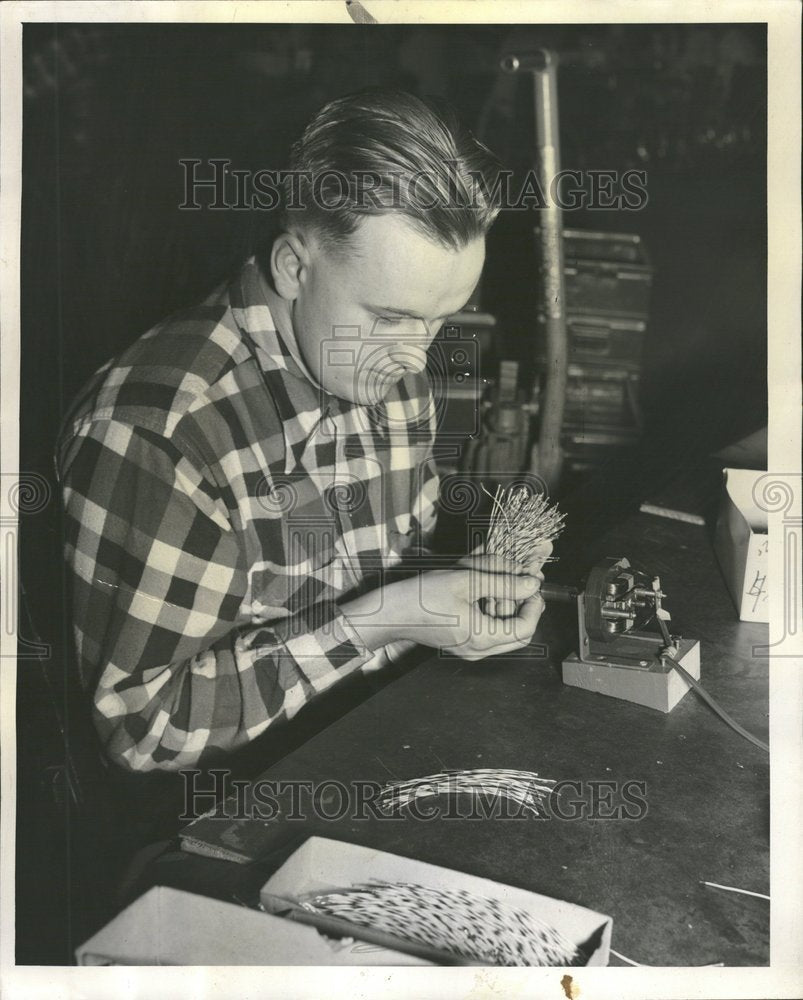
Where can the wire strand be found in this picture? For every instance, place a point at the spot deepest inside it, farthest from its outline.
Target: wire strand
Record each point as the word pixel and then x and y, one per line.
pixel 641 965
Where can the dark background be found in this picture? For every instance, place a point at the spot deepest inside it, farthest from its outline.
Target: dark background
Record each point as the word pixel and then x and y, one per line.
pixel 109 111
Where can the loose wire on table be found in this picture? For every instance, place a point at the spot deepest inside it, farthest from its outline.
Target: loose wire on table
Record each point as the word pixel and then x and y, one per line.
pixel 641 965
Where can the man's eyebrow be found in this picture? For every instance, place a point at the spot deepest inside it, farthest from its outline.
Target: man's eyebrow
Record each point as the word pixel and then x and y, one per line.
pixel 403 312
pixel 394 310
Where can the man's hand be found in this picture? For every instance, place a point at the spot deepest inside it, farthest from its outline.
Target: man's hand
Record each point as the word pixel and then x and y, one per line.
pixel 506 608
pixel 443 609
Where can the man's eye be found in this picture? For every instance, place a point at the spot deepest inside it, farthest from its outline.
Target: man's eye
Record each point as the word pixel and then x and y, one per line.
pixel 389 320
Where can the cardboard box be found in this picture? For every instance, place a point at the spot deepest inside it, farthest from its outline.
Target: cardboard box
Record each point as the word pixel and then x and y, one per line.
pixel 323 865
pixel 170 927
pixel 741 543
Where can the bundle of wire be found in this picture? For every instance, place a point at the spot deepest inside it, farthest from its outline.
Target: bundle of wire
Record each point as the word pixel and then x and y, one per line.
pixel 524 788
pixel 521 522
pixel 455 921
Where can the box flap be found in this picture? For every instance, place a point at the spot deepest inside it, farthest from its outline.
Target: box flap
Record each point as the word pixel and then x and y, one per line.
pixel 739 484
pixel 170 927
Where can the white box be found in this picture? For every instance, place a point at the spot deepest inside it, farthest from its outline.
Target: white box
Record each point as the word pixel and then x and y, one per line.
pixel 741 544
pixel 170 927
pixel 323 865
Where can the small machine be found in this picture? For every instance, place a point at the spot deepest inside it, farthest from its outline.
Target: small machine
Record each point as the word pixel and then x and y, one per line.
pixel 617 654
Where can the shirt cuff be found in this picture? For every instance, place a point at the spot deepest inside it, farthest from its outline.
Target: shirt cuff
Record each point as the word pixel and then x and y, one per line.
pixel 319 638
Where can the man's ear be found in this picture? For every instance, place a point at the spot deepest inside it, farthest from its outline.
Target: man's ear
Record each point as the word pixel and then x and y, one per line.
pixel 289 259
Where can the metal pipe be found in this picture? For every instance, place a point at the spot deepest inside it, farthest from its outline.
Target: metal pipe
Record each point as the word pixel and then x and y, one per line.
pixel 543 65
pixel 531 61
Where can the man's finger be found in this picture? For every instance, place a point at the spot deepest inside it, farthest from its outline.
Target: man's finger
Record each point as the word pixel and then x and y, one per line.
pixel 503 585
pixel 485 563
pixel 523 627
pixel 529 613
pixel 505 608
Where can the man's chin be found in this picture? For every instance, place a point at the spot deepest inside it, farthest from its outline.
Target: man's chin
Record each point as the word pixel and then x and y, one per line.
pixel 364 388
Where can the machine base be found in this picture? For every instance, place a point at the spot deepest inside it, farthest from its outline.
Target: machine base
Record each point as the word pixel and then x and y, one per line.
pixel 655 686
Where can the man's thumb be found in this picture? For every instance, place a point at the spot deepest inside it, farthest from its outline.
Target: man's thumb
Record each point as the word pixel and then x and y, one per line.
pixel 506 585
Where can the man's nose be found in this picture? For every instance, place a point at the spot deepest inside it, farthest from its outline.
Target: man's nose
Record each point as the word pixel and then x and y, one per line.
pixel 412 357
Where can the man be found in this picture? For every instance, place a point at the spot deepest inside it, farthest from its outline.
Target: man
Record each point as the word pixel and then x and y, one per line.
pixel 240 484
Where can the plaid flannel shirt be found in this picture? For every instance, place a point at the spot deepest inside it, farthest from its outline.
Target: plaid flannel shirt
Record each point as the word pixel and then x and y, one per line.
pixel 219 506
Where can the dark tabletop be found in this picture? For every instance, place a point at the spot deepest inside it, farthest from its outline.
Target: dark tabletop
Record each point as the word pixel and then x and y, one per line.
pixel 705 809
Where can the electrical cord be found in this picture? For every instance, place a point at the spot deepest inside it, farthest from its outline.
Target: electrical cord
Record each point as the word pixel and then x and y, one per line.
pixel 701 691
pixel 666 654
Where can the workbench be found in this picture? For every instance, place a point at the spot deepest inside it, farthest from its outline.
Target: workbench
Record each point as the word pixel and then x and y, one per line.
pixel 706 789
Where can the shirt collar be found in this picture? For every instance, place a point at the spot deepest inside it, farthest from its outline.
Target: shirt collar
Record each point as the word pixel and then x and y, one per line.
pixel 295 363
pixel 292 386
